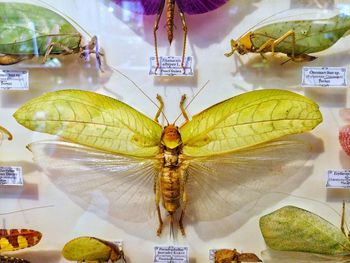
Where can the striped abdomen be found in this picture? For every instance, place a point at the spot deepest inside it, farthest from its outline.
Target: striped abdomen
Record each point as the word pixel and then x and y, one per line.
pixel 310 35
pixel 170 188
pixel 14 239
pixel 170 19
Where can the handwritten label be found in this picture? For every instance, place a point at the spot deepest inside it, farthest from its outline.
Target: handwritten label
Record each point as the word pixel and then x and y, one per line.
pixel 338 179
pixel 171 66
pixel 324 77
pixel 14 79
pixel 11 175
pixel 170 254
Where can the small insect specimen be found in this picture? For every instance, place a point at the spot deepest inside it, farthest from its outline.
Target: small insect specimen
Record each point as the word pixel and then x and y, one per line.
pixel 344 132
pixel 294 229
pixel 5 134
pixel 232 255
pixel 297 39
pixel 29 30
pixel 7 259
pixel 138 165
pixel 152 7
pixel 88 249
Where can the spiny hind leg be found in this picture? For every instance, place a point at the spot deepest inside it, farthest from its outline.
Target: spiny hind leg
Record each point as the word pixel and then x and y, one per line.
pixel 342 224
pixel 183 110
pixel 184 28
pixel 58 45
pixel 184 176
pixel 157 195
pixel 10 59
pixel 161 106
pixel 155 28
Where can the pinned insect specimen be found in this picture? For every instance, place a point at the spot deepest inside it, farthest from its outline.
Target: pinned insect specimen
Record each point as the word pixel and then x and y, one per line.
pixel 156 7
pixel 297 39
pixel 15 239
pixel 294 229
pixel 5 134
pixel 118 152
pixel 232 255
pixel 29 30
pixel 88 249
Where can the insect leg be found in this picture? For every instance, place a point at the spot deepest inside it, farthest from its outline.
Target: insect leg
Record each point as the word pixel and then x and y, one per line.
pixel 9 135
pixel 343 219
pixel 157 197
pixel 156 26
pixel 56 44
pixel 161 106
pixel 184 201
pixel 184 28
pixel 183 110
pixel 233 48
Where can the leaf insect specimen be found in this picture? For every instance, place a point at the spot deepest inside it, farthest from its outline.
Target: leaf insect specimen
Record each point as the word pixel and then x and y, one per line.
pixel 5 134
pixel 91 249
pixel 294 229
pixel 117 152
pixel 297 39
pixel 29 30
pixel 156 7
pixel 232 255
pixel 15 239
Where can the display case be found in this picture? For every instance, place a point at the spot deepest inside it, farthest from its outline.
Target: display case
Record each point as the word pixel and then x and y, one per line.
pixel 118 65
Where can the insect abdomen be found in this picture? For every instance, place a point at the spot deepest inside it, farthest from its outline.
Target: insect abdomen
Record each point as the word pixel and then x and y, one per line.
pixel 170 20
pixel 14 239
pixel 310 35
pixel 170 188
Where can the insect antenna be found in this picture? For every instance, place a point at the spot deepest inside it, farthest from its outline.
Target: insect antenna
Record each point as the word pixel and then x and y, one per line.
pixel 26 209
pixel 192 100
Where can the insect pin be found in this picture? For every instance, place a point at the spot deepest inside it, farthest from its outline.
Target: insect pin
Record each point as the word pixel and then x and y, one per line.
pixel 156 7
pixel 294 229
pixel 15 239
pixel 29 30
pixel 92 249
pixel 232 255
pixel 297 39
pixel 144 167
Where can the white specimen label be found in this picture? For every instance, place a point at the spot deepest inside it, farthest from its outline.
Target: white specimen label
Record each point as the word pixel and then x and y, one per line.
pixel 14 79
pixel 338 179
pixel 11 175
pixel 324 77
pixel 170 254
pixel 171 66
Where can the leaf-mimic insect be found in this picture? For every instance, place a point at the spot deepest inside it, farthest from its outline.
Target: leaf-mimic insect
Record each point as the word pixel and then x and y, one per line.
pixel 91 249
pixel 203 167
pixel 294 229
pixel 29 30
pixel 232 255
pixel 297 39
pixel 152 7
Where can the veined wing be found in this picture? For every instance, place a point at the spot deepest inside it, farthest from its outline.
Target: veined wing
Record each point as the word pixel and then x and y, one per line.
pixel 146 7
pixel 113 186
pixel 220 185
pixel 92 120
pixel 5 134
pixel 193 7
pixel 248 119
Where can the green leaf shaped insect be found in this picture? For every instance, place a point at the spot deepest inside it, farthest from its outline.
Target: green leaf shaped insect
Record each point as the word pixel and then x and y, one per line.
pixel 91 249
pixel 29 30
pixel 232 255
pixel 294 229
pixel 205 169
pixel 297 39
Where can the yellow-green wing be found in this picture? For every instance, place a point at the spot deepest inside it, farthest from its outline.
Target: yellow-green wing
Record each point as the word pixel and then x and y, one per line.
pixel 93 120
pixel 248 119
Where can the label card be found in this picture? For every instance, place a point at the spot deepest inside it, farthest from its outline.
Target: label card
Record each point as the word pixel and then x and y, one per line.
pixel 14 79
pixel 171 66
pixel 170 254
pixel 11 175
pixel 324 77
pixel 338 179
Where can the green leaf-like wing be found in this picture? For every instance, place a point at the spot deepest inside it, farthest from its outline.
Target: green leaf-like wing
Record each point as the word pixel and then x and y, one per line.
pixel 294 229
pixel 92 120
pixel 248 119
